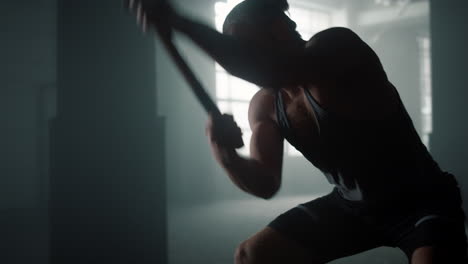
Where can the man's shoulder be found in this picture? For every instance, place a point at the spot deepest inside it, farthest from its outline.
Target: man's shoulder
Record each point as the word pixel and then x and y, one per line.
pixel 264 98
pixel 336 31
pixel 333 35
pixel 262 105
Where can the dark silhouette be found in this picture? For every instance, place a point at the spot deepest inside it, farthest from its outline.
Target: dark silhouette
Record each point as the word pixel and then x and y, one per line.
pixel 331 99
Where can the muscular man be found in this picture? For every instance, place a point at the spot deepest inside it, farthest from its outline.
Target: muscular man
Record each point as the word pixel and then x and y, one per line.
pixel 331 99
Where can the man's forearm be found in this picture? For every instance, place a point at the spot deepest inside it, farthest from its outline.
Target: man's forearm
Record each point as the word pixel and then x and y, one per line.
pixel 249 175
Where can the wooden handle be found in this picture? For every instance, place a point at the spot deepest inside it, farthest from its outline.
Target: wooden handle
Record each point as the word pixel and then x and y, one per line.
pixel 201 94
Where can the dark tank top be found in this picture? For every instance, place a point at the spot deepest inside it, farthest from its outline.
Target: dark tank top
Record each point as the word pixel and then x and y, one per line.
pixel 367 159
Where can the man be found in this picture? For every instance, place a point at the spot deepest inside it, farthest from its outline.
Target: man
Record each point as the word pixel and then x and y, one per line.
pixel 331 99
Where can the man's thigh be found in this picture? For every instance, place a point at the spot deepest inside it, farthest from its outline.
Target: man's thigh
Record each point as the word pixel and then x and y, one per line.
pixel 437 240
pixel 434 230
pixel 326 229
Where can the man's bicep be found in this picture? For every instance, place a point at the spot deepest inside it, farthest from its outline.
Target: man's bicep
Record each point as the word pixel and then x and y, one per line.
pixel 266 145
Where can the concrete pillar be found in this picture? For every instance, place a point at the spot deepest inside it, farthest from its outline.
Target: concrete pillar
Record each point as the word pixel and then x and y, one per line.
pixel 108 193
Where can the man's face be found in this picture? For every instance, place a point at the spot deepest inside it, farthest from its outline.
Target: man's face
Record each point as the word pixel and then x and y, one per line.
pixel 277 31
pixel 283 32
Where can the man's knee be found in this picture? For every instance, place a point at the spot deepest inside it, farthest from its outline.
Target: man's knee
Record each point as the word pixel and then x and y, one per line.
pixel 244 253
pixel 239 255
pixel 249 252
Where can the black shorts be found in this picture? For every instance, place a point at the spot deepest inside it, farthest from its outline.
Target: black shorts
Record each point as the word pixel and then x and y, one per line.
pixel 332 227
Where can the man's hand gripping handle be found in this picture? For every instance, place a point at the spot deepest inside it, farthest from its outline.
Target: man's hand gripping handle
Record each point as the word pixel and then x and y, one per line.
pixel 158 13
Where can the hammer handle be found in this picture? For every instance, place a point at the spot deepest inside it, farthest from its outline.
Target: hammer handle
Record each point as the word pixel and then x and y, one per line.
pixel 201 94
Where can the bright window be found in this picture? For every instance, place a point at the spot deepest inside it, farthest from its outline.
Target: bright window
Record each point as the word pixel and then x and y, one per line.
pixel 426 89
pixel 233 94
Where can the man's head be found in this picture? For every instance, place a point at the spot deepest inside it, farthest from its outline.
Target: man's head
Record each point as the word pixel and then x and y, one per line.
pixel 263 22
